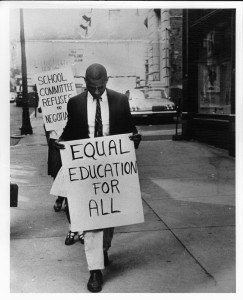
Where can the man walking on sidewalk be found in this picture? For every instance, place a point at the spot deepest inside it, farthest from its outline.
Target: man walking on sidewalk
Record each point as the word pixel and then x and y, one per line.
pixel 98 112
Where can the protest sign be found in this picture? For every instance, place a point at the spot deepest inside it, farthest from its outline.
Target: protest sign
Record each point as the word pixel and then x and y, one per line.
pixel 101 181
pixel 54 90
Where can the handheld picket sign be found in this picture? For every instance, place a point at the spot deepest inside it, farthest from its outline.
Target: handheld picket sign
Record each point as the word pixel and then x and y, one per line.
pixel 54 89
pixel 102 183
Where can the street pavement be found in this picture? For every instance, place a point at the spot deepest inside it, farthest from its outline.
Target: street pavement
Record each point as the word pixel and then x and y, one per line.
pixel 185 245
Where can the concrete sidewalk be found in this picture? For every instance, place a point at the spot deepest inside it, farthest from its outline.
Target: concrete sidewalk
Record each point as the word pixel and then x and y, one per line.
pixel 186 245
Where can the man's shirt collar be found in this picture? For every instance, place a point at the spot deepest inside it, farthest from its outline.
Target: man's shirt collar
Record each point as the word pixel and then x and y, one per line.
pixel 103 97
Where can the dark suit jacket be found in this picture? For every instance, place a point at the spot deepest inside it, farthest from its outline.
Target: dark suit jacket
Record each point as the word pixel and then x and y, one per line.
pixel 77 124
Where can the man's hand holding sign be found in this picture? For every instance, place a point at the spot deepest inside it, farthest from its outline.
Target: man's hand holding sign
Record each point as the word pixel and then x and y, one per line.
pixel 136 138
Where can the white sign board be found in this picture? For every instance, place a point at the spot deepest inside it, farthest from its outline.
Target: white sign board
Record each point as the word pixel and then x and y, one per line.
pixel 54 90
pixel 101 181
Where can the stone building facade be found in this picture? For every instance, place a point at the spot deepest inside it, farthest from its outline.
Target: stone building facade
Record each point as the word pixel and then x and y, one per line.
pixel 164 55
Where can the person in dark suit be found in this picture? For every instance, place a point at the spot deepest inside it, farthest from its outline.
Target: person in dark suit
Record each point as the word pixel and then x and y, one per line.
pixel 98 112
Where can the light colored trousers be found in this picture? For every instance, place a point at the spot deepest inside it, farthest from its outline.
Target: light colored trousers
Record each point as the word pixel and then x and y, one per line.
pixel 95 243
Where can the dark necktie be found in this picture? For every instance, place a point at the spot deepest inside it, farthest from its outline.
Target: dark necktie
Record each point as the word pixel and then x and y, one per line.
pixel 98 121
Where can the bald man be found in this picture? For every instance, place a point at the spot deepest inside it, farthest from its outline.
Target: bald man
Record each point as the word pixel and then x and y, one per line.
pixel 116 119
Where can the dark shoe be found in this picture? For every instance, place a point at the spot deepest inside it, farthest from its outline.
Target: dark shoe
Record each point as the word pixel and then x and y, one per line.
pixel 58 205
pixel 70 238
pixel 81 238
pixel 95 281
pixel 106 259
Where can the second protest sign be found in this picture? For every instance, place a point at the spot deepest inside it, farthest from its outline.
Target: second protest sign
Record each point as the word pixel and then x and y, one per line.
pixel 54 89
pixel 102 184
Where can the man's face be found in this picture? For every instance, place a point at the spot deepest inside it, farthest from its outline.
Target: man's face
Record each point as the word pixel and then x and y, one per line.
pixel 96 87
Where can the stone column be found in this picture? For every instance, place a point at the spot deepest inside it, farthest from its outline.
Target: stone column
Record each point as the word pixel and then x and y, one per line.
pixel 165 48
pixel 154 48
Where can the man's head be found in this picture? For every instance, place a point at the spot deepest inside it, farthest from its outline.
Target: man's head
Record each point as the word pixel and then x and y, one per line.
pixel 96 80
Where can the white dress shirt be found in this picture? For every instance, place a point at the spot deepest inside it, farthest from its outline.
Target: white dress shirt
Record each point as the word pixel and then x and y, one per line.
pixel 91 108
